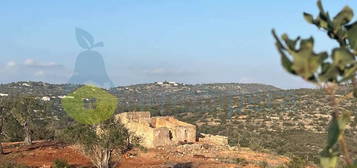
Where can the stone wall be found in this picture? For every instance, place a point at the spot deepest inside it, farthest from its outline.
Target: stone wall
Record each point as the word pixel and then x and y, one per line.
pixel 213 139
pixel 162 136
pixel 157 131
pixel 134 117
pixel 181 131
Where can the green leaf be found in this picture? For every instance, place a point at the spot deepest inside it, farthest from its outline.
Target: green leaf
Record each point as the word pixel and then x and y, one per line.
pixel 337 127
pixel 285 61
pixel 342 57
pixel 319 5
pixel 308 17
pixel 290 43
pixel 305 61
pixel 343 120
pixel 349 72
pixel 328 73
pixel 333 133
pixel 320 23
pixel 343 17
pixel 352 35
pixel 329 162
pixel 323 20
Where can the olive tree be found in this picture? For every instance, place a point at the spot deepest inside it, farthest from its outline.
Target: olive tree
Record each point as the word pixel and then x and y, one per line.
pixel 327 70
pixel 98 142
pixel 5 106
pixel 96 132
pixel 26 110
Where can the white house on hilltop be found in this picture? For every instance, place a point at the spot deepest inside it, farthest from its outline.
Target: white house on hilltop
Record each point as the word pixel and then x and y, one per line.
pixel 3 94
pixel 45 98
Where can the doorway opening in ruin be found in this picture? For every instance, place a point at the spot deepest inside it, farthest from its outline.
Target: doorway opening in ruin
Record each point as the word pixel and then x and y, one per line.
pixel 170 135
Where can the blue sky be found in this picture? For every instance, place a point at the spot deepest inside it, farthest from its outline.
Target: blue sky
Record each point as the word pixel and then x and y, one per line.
pixel 190 41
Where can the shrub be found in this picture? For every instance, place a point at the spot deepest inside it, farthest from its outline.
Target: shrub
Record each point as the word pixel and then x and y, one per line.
pixel 99 142
pixel 59 163
pixel 12 165
pixel 297 162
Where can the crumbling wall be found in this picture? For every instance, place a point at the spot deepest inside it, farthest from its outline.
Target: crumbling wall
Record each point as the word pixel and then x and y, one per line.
pixel 145 133
pixel 181 131
pixel 157 131
pixel 162 137
pixel 138 123
pixel 134 117
pixel 213 139
pixel 185 134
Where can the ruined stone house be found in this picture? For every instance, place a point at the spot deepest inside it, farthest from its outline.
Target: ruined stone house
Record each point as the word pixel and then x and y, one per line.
pixel 157 131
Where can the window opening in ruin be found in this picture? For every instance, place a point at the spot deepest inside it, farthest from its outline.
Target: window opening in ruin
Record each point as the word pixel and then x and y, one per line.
pixel 170 135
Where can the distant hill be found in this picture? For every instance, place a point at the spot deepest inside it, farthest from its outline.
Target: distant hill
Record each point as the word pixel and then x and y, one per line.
pixel 143 94
pixel 171 92
pixel 37 88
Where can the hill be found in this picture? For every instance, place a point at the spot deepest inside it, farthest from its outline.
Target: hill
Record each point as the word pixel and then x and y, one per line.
pixel 142 94
pixel 288 122
pixel 261 117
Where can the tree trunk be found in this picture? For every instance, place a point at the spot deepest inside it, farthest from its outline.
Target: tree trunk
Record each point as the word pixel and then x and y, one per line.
pixel 1 149
pixel 28 136
pixel 1 135
pixel 102 157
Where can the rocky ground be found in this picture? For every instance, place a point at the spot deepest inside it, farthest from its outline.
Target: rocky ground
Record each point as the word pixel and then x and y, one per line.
pixel 43 153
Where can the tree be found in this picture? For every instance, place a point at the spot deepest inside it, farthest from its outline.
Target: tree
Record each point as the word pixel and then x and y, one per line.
pixel 26 110
pixel 96 133
pixel 99 141
pixel 327 71
pixel 5 106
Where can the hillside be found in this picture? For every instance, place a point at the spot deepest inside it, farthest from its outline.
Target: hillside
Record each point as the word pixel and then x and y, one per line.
pixel 165 92
pixel 143 94
pixel 261 117
pixel 289 122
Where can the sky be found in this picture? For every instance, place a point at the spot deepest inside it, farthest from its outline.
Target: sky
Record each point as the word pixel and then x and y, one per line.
pixel 188 41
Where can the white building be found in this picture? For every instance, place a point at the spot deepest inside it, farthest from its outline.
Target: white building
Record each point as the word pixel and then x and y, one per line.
pixel 45 98
pixel 25 84
pixel 3 94
pixel 159 83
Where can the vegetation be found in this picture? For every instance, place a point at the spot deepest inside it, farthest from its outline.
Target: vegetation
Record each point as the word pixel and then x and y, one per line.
pixel 327 71
pixel 97 135
pixel 26 110
pixel 12 165
pixel 99 142
pixel 4 115
pixel 58 163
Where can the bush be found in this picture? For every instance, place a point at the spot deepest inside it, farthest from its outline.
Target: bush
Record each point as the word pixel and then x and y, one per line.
pixel 297 162
pixel 100 141
pixel 12 165
pixel 59 163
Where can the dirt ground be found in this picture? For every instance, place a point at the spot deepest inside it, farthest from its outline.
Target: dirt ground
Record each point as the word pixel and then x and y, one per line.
pixel 43 153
